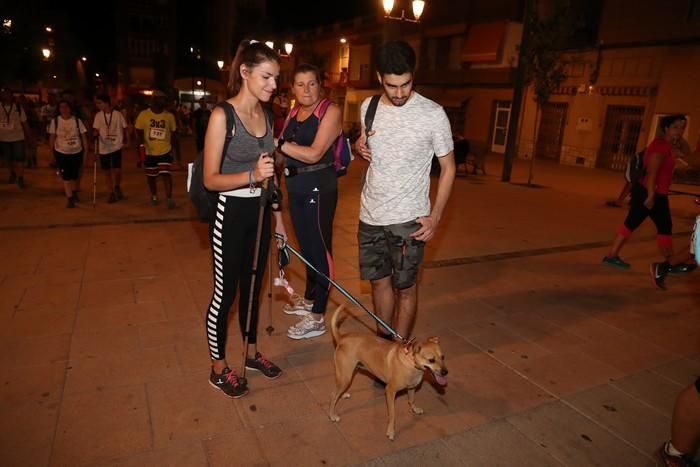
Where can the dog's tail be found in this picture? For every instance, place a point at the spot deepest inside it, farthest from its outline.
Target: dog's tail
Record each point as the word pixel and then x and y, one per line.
pixel 334 322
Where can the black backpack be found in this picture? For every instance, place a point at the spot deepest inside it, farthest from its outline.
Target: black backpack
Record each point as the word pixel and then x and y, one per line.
pixel 635 169
pixel 204 200
pixel 371 111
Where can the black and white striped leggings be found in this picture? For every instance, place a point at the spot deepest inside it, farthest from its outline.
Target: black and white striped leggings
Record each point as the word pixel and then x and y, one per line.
pixel 232 235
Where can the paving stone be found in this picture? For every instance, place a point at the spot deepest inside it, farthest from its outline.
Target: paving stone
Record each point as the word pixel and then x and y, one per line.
pixel 651 388
pixel 433 453
pixel 102 425
pixel 498 444
pixel 628 418
pixel 27 431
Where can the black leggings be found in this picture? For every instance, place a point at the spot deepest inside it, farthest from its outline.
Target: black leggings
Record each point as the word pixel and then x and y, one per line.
pixel 660 213
pixel 232 235
pixel 312 215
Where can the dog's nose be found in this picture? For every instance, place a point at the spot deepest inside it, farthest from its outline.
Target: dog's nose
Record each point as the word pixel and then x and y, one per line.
pixel 443 372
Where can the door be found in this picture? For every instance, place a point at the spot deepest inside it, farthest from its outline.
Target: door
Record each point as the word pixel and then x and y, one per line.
pixel 551 130
pixel 623 124
pixel 500 127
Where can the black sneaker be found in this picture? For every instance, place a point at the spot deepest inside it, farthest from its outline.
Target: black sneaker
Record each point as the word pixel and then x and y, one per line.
pixel 20 183
pixel 118 192
pixel 71 203
pixel 616 262
pixel 682 268
pixel 263 365
pixel 229 383
pixel 658 273
pixel 112 198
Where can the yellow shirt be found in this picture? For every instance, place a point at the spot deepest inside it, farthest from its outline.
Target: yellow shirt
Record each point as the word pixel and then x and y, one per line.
pixel 157 131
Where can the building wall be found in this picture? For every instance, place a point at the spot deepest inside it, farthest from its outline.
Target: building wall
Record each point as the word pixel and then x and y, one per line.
pixel 671 74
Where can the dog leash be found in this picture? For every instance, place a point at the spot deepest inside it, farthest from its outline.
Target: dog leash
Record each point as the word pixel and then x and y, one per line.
pixel 287 247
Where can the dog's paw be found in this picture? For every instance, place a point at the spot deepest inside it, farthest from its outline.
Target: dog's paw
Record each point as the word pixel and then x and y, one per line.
pixel 390 435
pixel 346 395
pixel 417 410
pixel 334 417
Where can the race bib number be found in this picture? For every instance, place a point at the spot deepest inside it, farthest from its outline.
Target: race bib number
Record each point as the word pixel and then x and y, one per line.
pixel 72 142
pixel 111 139
pixel 157 134
pixel 6 126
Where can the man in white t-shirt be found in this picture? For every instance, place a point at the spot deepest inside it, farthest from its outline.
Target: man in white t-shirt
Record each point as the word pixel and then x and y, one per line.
pixel 110 126
pixel 14 134
pixel 396 218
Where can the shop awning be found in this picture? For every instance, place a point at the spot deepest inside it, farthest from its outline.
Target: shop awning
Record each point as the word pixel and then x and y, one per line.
pixel 484 41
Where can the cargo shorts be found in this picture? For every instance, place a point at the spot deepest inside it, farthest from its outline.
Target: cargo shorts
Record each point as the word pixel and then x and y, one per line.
pixel 389 250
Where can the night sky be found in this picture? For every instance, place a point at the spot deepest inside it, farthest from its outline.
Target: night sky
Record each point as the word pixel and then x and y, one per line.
pixel 290 12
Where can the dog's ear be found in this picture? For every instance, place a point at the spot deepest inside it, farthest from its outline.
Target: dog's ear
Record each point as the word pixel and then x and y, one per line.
pixel 416 348
pixel 433 340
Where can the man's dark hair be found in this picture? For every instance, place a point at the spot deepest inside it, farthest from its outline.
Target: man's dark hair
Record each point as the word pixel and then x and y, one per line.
pixel 104 98
pixel 669 120
pixel 395 58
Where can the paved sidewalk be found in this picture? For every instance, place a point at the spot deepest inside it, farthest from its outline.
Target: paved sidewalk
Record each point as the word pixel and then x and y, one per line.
pixel 554 359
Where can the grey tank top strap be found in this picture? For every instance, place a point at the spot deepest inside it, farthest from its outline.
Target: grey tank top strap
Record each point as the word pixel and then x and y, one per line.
pixel 244 149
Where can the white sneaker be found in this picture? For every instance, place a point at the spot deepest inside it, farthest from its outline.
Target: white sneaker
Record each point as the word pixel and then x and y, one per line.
pixel 299 306
pixel 307 328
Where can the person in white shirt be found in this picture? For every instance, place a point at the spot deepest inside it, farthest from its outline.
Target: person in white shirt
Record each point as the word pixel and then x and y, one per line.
pixel 14 135
pixel 396 216
pixel 109 126
pixel 68 140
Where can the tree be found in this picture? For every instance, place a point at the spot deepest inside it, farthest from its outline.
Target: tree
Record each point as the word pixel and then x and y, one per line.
pixel 543 64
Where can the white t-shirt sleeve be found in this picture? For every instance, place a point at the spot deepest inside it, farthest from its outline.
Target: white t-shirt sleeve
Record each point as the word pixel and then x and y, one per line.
pixel 122 119
pixel 51 129
pixel 81 126
pixel 97 122
pixel 442 134
pixel 22 115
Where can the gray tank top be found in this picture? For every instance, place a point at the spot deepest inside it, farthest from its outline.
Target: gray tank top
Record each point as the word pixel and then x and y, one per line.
pixel 244 149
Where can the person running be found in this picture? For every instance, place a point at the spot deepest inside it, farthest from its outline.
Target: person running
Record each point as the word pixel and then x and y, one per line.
pixel 14 136
pixel 157 129
pixel 69 142
pixel 650 195
pixel 312 191
pixel 396 218
pixel 237 176
pixel 110 127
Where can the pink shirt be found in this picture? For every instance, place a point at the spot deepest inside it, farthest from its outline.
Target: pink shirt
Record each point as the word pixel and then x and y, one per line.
pixel 664 175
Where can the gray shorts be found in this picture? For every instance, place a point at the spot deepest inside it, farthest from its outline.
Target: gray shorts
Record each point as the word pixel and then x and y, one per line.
pixel 389 250
pixel 12 151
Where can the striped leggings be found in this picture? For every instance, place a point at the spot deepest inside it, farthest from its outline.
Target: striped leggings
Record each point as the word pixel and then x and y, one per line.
pixel 232 235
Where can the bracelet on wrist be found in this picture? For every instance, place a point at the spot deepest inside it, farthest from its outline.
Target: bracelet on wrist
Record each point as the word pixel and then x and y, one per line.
pixel 251 181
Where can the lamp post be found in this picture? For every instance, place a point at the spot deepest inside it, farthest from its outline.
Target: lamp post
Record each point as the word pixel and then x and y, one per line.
pixel 417 6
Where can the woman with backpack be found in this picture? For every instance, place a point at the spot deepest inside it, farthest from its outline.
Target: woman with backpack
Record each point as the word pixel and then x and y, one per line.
pixel 650 192
pixel 312 190
pixel 68 140
pixel 236 163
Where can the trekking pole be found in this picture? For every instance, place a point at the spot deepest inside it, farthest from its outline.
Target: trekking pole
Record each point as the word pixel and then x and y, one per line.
pixel 94 171
pixel 270 328
pixel 256 252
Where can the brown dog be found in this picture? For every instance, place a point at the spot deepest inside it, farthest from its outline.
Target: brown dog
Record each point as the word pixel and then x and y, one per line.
pixel 400 366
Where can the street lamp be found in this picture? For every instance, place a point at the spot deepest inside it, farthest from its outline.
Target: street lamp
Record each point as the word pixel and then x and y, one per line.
pixel 83 58
pixel 417 5
pixel 46 52
pixel 220 64
pixel 270 44
pixel 288 46
pixel 48 29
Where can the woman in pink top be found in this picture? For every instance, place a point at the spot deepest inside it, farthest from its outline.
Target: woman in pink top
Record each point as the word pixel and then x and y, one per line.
pixel 650 194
